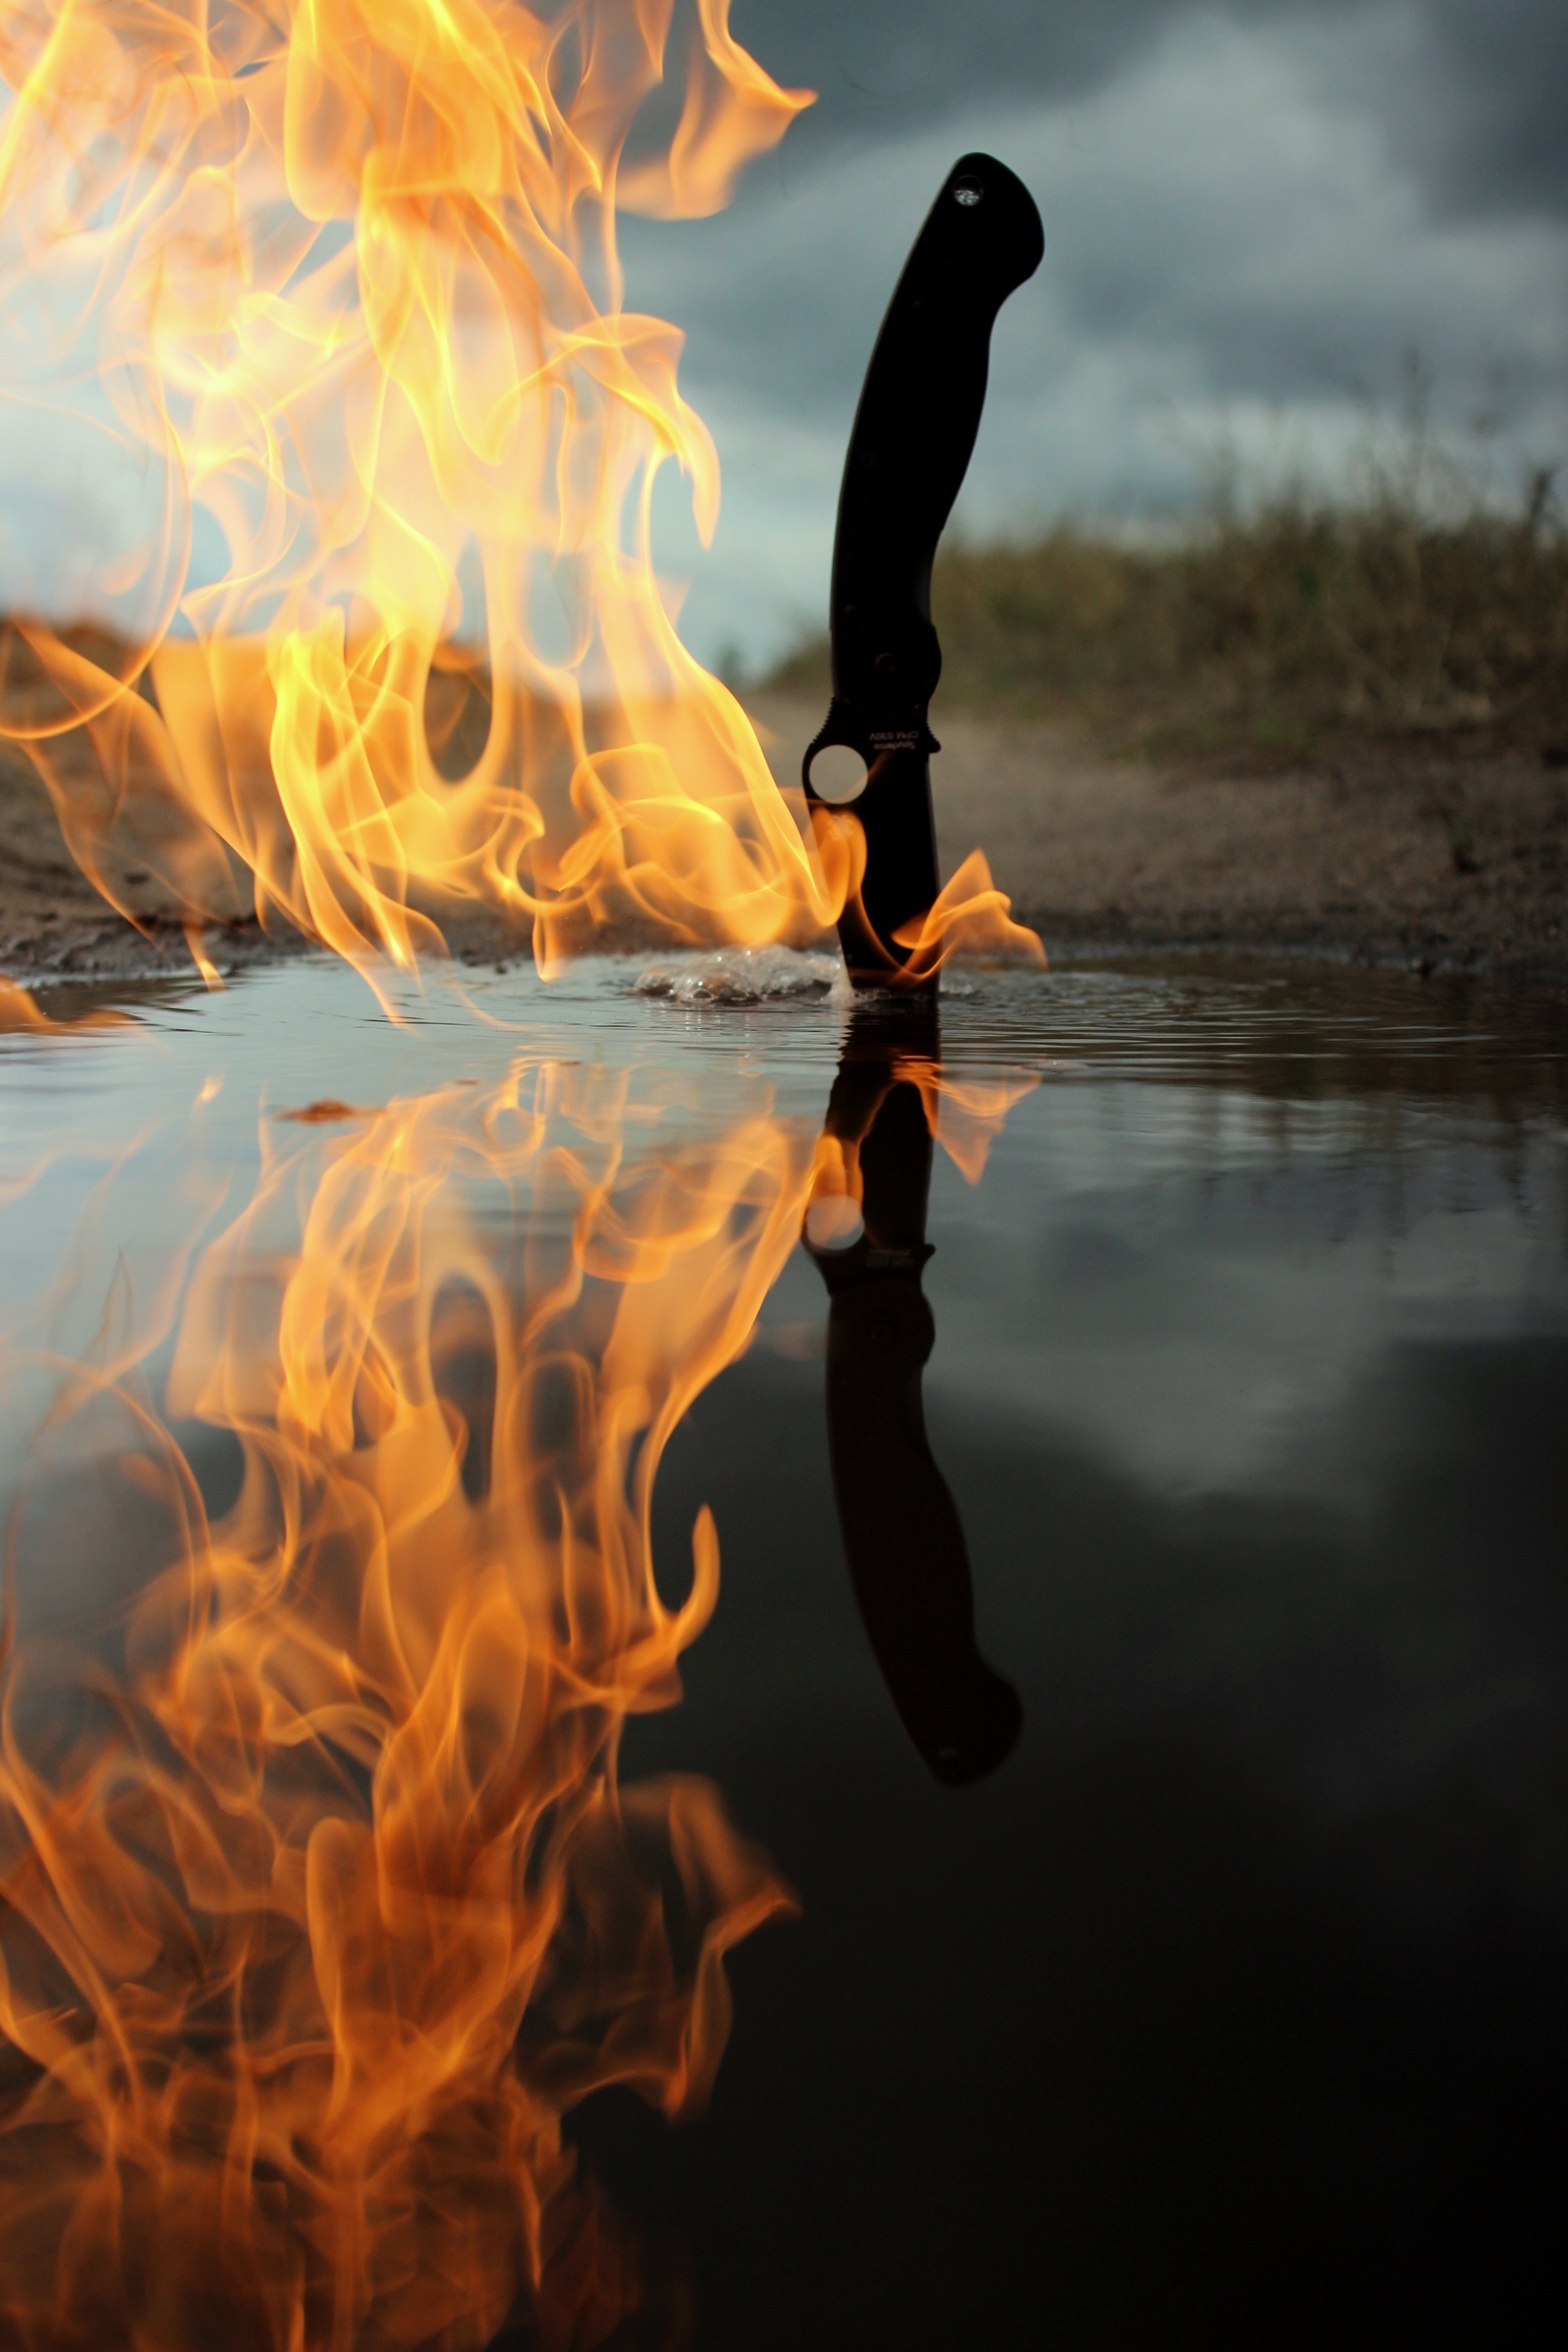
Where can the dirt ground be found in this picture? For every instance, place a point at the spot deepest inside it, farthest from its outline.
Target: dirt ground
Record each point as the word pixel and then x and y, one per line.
pixel 1414 856
pixel 1405 855
pixel 52 921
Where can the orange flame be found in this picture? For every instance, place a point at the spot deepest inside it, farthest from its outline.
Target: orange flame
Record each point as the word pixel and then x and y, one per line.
pixel 320 1898
pixel 337 281
pixel 342 280
pixel 969 915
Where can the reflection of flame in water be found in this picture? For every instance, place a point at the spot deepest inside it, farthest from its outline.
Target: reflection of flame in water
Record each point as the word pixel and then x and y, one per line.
pixel 20 1014
pixel 340 281
pixel 324 1900
pixel 327 1904
pixel 965 1114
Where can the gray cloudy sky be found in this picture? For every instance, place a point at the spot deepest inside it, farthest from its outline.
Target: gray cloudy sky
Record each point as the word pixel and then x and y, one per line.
pixel 1253 213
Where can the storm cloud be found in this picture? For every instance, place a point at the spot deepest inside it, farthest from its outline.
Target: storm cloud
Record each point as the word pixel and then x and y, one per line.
pixel 1476 101
pixel 1266 223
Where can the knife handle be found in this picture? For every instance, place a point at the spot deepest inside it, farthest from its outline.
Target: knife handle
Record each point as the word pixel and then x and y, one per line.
pixel 914 433
pixel 908 451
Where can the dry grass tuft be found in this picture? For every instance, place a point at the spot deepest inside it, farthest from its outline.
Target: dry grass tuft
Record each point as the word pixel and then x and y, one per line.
pixel 1281 634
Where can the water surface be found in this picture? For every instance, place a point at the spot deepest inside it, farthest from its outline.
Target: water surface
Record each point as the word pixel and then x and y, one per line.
pixel 1135 1825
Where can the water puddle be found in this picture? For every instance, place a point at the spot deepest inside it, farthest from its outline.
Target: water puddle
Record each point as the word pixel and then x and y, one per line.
pixel 692 1665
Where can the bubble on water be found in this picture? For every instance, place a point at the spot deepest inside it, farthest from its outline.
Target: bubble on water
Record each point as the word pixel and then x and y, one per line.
pixel 769 975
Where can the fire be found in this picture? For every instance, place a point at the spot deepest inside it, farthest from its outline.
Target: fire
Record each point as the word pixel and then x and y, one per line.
pixel 968 916
pixel 337 282
pixel 323 1900
pixel 341 280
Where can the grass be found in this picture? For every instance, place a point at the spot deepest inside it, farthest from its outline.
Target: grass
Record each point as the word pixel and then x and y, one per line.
pixel 1282 633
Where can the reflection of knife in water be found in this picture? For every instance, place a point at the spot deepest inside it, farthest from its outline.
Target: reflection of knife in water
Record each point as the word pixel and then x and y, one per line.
pixel 914 429
pixel 901 1531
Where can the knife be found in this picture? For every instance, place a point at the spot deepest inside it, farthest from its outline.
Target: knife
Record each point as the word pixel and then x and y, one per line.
pixel 908 451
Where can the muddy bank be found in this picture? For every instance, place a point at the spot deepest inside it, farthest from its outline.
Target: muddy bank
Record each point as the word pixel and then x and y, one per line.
pixel 1410 856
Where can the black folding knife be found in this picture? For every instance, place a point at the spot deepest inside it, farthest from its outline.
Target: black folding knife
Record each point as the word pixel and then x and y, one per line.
pixel 914 430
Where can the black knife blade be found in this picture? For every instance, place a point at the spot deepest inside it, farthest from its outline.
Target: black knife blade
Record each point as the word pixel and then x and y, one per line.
pixel 909 448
